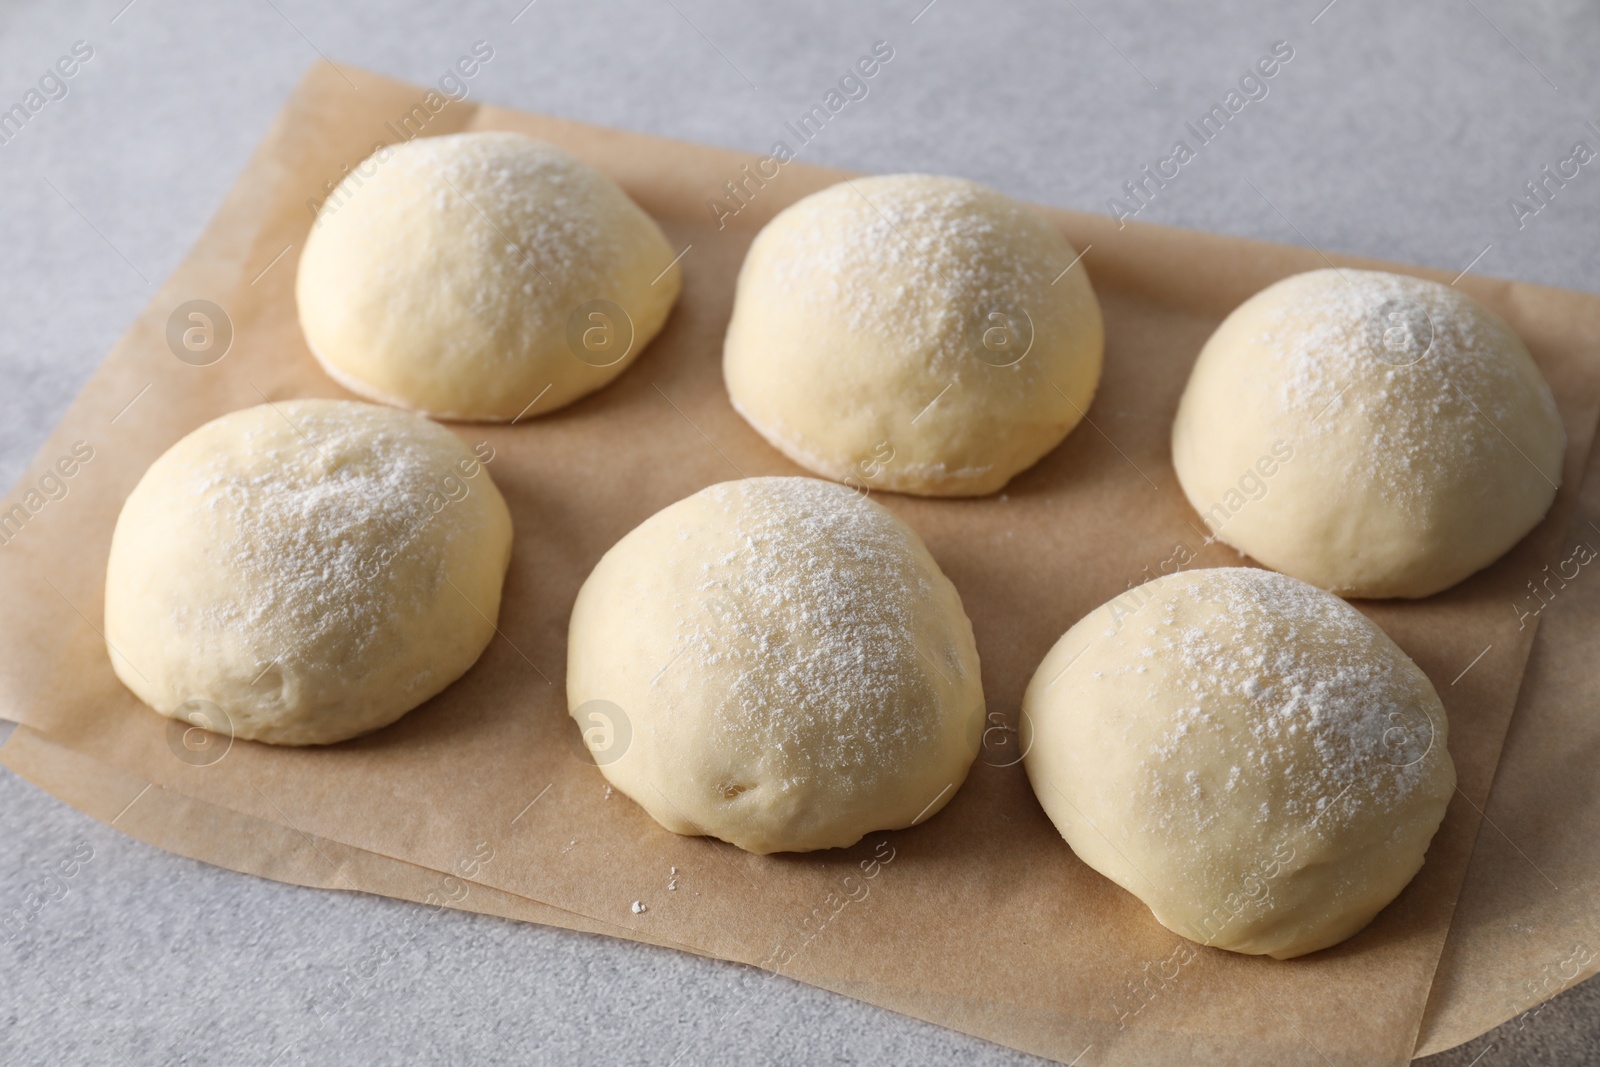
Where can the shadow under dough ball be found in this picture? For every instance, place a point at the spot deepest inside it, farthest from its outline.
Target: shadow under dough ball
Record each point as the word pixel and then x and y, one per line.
pixel 1375 434
pixel 788 664
pixel 913 333
pixel 1250 756
pixel 305 571
pixel 481 276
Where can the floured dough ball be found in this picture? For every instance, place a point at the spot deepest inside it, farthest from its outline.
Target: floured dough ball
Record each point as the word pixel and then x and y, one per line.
pixel 913 333
pixel 470 275
pixel 779 663
pixel 1374 434
pixel 306 570
pixel 1248 755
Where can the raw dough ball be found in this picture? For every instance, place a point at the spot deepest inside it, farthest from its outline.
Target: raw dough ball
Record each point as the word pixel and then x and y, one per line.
pixel 1374 434
pixel 792 666
pixel 913 333
pixel 313 568
pixel 469 275
pixel 1248 755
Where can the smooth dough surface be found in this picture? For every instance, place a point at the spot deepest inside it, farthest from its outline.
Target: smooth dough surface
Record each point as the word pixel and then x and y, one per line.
pixel 313 568
pixel 470 275
pixel 1247 754
pixel 913 333
pixel 792 668
pixel 1422 441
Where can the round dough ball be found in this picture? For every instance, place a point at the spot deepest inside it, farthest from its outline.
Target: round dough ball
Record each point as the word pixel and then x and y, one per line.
pixel 913 333
pixel 1248 755
pixel 1374 434
pixel 789 666
pixel 313 568
pixel 469 275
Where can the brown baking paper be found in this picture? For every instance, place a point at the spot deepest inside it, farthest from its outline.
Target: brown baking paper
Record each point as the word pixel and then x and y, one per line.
pixel 1527 925
pixel 980 918
pixel 217 835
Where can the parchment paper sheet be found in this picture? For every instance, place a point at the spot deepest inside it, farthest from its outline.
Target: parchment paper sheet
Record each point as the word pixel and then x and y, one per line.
pixel 213 834
pixel 980 918
pixel 1528 922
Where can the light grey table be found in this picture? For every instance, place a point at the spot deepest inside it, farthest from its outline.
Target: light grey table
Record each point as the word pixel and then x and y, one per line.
pixel 1397 130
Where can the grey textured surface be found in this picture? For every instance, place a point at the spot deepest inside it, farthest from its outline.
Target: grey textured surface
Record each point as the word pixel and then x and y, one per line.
pixel 1397 130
